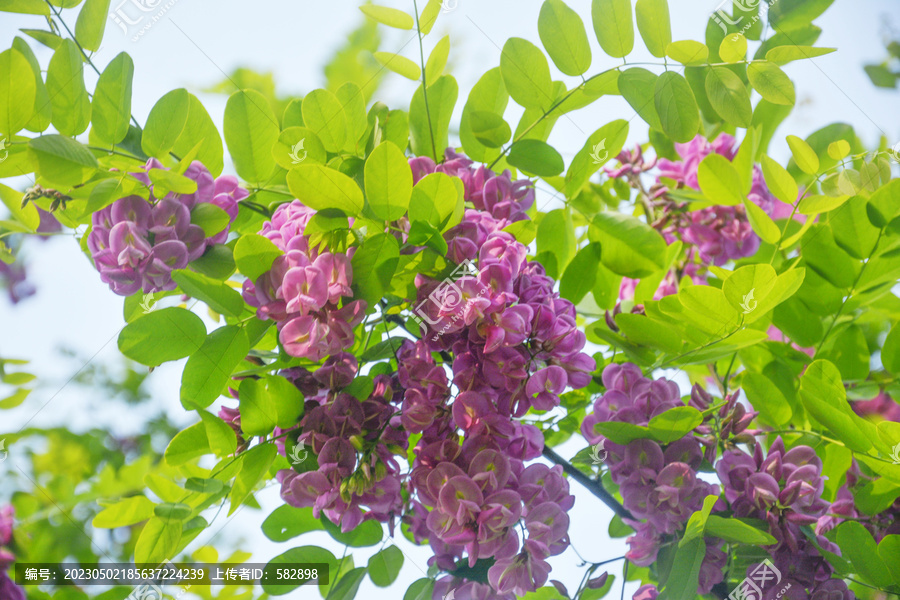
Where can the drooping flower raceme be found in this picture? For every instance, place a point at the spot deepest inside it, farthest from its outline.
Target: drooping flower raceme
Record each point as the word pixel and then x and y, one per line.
pixel 137 243
pixel 303 290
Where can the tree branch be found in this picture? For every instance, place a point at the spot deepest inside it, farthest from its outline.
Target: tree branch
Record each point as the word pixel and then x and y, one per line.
pixel 592 485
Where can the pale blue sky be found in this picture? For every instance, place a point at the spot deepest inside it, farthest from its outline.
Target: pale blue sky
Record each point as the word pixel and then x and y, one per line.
pixel 196 41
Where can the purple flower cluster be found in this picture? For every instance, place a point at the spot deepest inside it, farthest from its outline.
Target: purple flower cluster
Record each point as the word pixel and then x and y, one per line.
pixel 302 291
pixel 713 235
pixel 136 243
pixel 355 443
pixel 784 489
pixel 514 345
pixel 659 483
pixel 8 589
pixel 497 195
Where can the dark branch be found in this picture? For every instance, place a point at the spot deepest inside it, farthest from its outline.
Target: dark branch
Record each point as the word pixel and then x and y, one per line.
pixel 593 486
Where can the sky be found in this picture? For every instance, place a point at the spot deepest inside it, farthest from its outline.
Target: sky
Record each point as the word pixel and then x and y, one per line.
pixel 195 43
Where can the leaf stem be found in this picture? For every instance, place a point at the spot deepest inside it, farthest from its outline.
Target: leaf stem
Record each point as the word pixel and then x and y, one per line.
pixel 594 486
pixel 424 82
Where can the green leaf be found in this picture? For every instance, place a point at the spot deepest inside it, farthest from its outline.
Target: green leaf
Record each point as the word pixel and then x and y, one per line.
pixel 489 128
pixel 297 144
pixel 209 217
pixel 782 55
pixel 674 423
pixel 437 60
pixel 536 158
pixel 488 95
pixel 683 577
pixel 158 541
pixel 320 187
pixel 27 215
pixel 166 121
pixel 697 521
pixel 162 335
pixel 733 48
pixel 91 23
pixel 389 181
pixel 858 546
pixel 526 74
pixel 654 24
pixel 772 83
pixel 613 26
pixel 269 403
pixel 804 155
pixel 556 235
pixel 172 511
pixel 68 96
pixel 251 129
pixel 203 486
pixel 779 181
pixel 367 533
pixel 388 16
pixel 374 264
pixel 889 551
pixel 766 398
pixel 813 205
pixel 839 150
pixel 384 567
pixel 254 255
pixel 729 96
pixel 421 589
pixel 125 512
pixel 40 120
pixel 255 464
pixel 637 86
pixel 287 522
pixel 761 222
pixel 218 296
pixel 187 445
pixel 688 52
pixel 18 92
pixel 604 144
pixel 737 532
pixel 648 332
pixel 348 585
pixel 220 436
pixel 324 114
pixel 630 247
pixel 676 106
pixel 209 370
pixel 111 108
pixel 789 14
pixel 720 181
pixel 562 33
pixel 25 7
pixel 890 351
pixel 62 160
pixel 437 199
pixel 199 129
pixel 581 274
pixel 399 64
pixel 823 396
pixel 429 125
